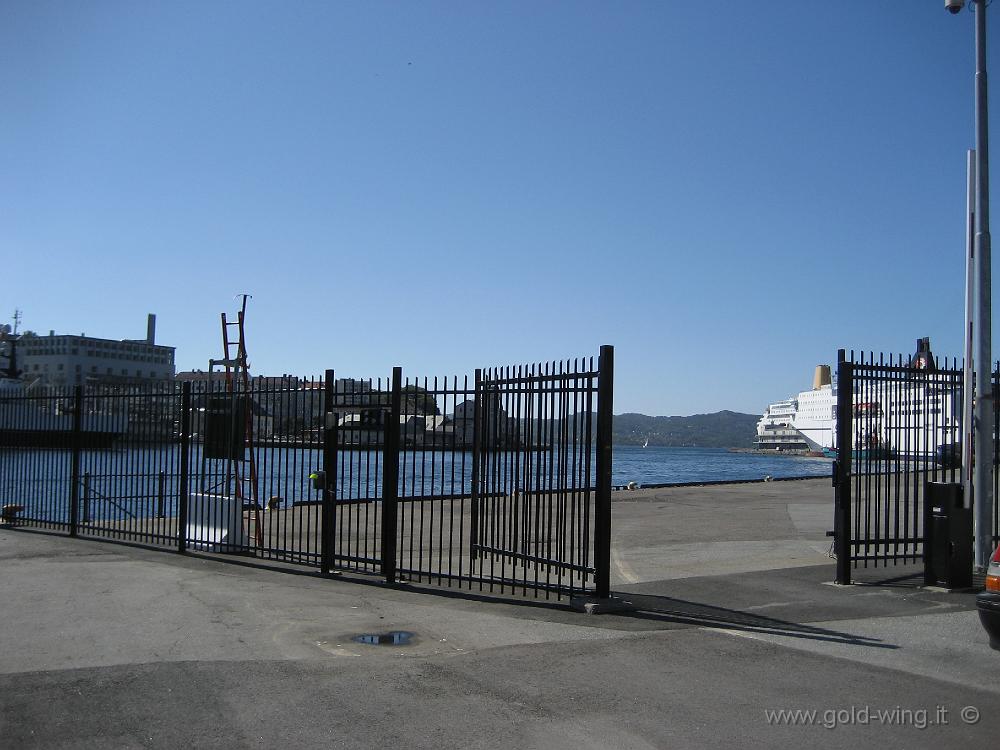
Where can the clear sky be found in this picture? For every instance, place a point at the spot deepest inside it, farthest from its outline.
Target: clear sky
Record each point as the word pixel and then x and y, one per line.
pixel 726 191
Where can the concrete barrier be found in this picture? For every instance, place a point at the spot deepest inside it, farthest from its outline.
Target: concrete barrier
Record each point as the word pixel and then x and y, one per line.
pixel 215 523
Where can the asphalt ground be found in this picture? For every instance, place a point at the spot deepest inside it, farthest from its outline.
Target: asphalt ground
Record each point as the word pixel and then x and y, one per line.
pixel 108 645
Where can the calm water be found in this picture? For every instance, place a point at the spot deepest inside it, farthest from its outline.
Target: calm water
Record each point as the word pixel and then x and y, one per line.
pixel 659 465
pixel 125 482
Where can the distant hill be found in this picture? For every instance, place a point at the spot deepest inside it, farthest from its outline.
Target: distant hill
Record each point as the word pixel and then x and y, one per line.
pixel 723 429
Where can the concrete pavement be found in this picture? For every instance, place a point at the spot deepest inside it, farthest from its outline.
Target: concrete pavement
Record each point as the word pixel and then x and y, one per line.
pixel 106 645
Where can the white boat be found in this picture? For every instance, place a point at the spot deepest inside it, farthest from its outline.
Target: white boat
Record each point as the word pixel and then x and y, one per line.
pixel 30 421
pixel 804 422
pixel 891 417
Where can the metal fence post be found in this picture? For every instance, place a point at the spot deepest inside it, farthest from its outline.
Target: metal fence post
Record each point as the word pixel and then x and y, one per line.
pixel 390 478
pixel 602 495
pixel 182 493
pixel 845 449
pixel 74 493
pixel 477 449
pixel 86 498
pixel 161 490
pixel 329 520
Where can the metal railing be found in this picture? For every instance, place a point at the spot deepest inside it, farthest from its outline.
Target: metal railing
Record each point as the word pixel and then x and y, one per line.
pixel 496 481
pixel 899 425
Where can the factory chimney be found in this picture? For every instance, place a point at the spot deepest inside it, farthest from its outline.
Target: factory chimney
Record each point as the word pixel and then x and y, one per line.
pixel 151 329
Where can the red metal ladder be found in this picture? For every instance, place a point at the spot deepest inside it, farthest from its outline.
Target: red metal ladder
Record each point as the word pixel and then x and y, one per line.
pixel 237 370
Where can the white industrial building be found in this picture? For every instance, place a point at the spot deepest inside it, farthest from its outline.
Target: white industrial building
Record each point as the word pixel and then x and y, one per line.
pixel 75 360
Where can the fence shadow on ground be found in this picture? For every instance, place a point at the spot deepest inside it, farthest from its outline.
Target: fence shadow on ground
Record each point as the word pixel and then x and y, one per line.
pixel 664 608
pixel 907 574
pixel 888 578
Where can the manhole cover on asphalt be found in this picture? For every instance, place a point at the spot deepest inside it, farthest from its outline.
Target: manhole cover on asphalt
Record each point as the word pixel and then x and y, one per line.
pixel 394 638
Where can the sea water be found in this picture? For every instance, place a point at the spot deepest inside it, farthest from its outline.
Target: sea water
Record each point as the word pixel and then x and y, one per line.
pixel 126 482
pixel 661 465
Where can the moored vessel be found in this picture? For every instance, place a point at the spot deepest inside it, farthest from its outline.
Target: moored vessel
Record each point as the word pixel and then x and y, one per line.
pixel 44 421
pixel 901 417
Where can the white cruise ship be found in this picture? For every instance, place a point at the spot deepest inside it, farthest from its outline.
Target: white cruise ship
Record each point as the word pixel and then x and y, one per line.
pixel 897 417
pixel 805 422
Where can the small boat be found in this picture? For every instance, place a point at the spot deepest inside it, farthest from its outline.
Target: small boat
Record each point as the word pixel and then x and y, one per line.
pixel 646 444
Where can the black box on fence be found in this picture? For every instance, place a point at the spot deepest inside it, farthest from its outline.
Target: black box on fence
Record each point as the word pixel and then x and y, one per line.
pixel 947 536
pixel 226 427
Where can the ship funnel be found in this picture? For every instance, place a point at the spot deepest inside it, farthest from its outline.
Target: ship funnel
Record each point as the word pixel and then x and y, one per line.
pixel 822 377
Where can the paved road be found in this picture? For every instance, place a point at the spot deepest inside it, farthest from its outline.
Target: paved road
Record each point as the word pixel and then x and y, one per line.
pixel 105 645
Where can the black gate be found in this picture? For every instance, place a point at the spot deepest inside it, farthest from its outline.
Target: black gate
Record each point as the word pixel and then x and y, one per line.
pixel 536 477
pixel 498 482
pixel 899 425
pixel 495 484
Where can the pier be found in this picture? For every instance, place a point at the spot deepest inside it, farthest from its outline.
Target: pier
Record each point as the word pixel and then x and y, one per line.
pixel 727 580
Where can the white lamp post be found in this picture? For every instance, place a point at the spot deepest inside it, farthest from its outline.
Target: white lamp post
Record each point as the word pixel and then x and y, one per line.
pixel 982 423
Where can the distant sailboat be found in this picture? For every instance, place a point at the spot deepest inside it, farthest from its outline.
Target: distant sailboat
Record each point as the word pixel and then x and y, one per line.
pixel 646 444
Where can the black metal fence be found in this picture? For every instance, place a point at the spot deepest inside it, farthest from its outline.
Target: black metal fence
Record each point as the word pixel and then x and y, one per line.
pixel 899 425
pixel 499 482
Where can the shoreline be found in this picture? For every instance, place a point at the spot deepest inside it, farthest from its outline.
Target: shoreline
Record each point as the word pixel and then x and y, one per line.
pixel 713 483
pixel 794 452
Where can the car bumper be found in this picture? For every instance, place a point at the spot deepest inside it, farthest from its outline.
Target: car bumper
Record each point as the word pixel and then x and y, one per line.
pixel 988 604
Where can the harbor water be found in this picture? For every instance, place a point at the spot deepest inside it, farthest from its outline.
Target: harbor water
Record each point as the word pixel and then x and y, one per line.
pixel 661 465
pixel 120 482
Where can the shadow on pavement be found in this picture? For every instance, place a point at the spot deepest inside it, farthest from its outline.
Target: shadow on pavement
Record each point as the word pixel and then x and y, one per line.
pixel 908 575
pixel 652 607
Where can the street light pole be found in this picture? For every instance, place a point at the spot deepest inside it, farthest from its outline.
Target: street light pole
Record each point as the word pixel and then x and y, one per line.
pixel 969 352
pixel 982 479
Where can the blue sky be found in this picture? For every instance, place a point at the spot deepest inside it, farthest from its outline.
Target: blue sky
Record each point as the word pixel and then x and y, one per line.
pixel 728 192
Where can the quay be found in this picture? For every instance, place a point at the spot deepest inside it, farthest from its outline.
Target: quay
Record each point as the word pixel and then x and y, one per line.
pixel 111 645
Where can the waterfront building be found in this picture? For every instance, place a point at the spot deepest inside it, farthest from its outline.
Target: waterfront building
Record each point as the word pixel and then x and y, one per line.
pixel 75 360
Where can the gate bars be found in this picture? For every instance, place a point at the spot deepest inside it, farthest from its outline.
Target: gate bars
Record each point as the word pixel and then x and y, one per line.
pixel 899 425
pixel 495 484
pixel 501 482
